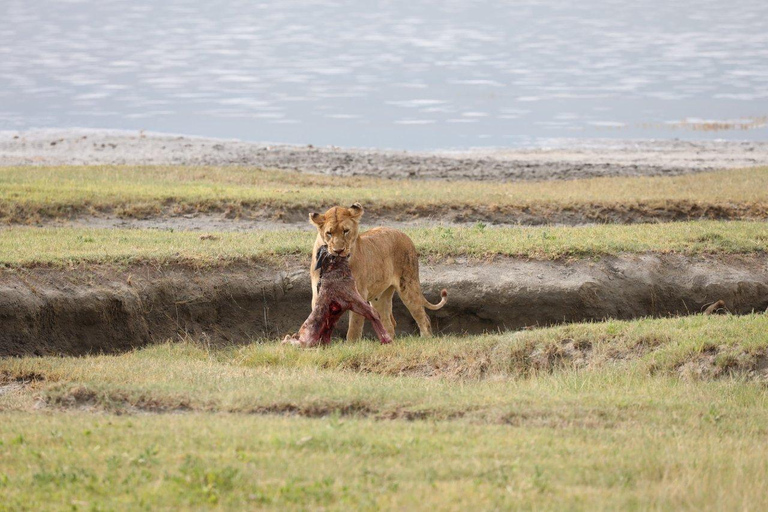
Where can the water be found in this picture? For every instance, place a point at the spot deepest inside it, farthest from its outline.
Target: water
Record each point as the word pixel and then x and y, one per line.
pixel 409 74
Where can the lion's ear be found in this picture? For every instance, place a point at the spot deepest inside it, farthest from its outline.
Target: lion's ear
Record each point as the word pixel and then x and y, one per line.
pixel 356 210
pixel 317 219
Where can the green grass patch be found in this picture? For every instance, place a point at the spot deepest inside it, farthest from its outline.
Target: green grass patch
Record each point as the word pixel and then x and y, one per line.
pixel 196 461
pixel 27 192
pixel 588 416
pixel 28 246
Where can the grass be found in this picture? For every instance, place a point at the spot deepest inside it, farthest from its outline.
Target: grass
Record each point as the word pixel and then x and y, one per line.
pixel 21 246
pixel 31 193
pixel 84 462
pixel 197 461
pixel 501 422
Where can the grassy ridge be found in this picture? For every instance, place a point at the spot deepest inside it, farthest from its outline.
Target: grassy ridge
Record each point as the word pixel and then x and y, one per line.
pixel 61 191
pixel 26 246
pixel 505 431
pixel 412 377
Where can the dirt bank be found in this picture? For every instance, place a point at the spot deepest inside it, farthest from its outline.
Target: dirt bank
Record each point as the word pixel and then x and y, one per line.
pixel 241 218
pixel 108 309
pixel 565 160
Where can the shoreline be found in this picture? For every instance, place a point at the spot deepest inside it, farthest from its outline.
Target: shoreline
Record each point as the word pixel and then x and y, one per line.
pixel 572 160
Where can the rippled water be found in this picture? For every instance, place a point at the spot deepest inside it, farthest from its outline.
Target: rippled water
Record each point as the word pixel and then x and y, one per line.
pixel 410 74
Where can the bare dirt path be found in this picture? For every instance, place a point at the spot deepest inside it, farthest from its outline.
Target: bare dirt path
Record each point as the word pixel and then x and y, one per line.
pixel 220 222
pixel 565 160
pixel 261 219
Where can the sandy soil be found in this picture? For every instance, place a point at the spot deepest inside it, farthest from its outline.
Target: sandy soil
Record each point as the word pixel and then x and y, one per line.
pixel 566 160
pixel 108 309
pixel 221 222
pixel 276 219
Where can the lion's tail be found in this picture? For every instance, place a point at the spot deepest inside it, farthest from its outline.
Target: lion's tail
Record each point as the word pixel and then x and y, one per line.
pixel 433 307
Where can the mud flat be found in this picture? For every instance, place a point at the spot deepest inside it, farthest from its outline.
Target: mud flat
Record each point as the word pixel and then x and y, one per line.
pixel 566 160
pixel 108 309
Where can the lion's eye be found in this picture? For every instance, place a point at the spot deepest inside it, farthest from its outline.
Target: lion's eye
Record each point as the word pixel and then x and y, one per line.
pixel 346 232
pixel 327 234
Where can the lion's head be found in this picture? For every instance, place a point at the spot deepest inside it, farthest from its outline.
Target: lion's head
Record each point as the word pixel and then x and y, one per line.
pixel 338 228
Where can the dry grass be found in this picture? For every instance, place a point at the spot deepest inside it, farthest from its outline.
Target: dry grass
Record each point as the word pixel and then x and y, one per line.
pixel 33 193
pixel 20 246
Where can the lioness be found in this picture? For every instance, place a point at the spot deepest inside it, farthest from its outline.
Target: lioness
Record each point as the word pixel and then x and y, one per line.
pixel 382 260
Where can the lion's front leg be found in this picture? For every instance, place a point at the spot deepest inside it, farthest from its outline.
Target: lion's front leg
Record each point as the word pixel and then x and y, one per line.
pixel 356 322
pixel 315 279
pixel 355 331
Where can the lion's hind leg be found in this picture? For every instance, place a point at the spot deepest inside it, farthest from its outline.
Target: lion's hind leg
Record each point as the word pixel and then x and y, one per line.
pixel 410 294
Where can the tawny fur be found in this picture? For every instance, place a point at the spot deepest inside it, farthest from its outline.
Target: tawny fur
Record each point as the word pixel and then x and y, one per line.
pixel 716 307
pixel 383 261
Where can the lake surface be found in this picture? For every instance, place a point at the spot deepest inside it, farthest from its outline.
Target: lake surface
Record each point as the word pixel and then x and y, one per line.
pixel 409 74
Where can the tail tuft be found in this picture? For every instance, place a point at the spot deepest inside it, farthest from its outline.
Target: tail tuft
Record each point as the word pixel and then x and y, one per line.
pixel 434 307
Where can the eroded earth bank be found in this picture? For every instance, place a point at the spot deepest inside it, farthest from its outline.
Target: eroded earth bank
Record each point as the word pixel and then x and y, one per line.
pixel 102 308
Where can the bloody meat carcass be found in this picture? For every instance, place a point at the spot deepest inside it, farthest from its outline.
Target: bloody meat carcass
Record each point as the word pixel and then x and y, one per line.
pixel 337 294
